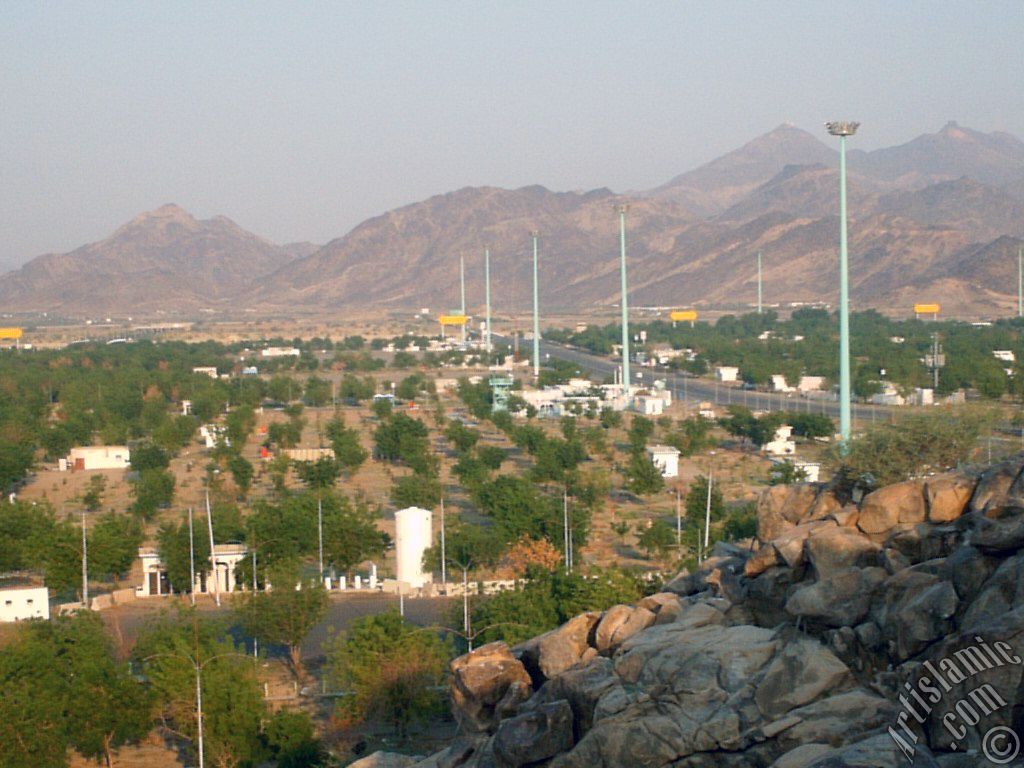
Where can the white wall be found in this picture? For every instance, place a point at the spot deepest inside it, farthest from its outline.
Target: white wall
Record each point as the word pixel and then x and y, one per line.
pixel 101 456
pixel 20 603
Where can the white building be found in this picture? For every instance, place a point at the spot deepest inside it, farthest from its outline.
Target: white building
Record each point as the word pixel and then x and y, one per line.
pixel 665 458
pixel 778 383
pixel 810 383
pixel 888 396
pixel 413 535
pixel 226 558
pixel 208 370
pixel 97 457
pixel 727 373
pixel 782 443
pixel 308 454
pixel 1005 355
pixel 20 602
pixel 280 352
pixel 649 405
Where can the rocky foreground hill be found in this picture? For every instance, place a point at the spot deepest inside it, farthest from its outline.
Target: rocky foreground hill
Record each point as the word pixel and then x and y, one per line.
pixel 873 631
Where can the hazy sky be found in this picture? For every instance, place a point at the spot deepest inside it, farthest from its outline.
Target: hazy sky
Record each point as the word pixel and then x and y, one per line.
pixel 299 120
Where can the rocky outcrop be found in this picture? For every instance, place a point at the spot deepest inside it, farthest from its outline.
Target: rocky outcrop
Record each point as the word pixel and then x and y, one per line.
pixel 846 639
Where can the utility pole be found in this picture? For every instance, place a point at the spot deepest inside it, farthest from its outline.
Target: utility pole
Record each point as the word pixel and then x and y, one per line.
pixel 213 559
pixel 679 522
pixel 444 572
pixel 625 300
pixel 487 294
pixel 192 560
pixel 462 293
pixel 842 130
pixel 255 640
pixel 565 529
pixel 320 534
pixel 1020 283
pixel 707 511
pixel 759 305
pixel 85 568
pixel 536 312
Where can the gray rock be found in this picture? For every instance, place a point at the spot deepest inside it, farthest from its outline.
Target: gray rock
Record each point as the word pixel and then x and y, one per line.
pixel 384 760
pixel 832 549
pixel 1000 594
pixel 878 751
pixel 996 481
pixel 534 736
pixel 619 623
pixel 841 600
pixel 801 672
pixel 916 608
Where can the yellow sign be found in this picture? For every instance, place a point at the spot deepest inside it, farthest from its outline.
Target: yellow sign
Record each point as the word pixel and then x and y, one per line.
pixel 688 315
pixel 453 319
pixel 926 309
pixel 10 333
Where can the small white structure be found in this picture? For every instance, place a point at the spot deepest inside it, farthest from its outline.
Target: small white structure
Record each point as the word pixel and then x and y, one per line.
pixel 98 457
pixel 208 370
pixel 782 443
pixel 810 383
pixel 727 373
pixel 250 370
pixel 308 454
pixel 665 458
pixel 280 352
pixel 649 405
pixel 1005 355
pixel 889 395
pixel 778 383
pixel 923 396
pixel 225 558
pixel 20 602
pixel 413 534
pixel 212 434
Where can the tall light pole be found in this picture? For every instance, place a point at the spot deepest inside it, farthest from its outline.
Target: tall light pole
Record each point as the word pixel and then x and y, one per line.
pixel 462 293
pixel 625 302
pixel 444 570
pixel 192 560
pixel 842 130
pixel 85 568
pixel 487 294
pixel 536 311
pixel 759 305
pixel 1020 283
pixel 320 534
pixel 213 556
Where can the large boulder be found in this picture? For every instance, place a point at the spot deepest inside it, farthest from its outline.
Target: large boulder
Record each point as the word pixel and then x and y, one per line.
pixel 534 736
pixel 832 549
pixel 1000 529
pixel 879 751
pixel 480 680
pixel 781 507
pixel 384 760
pixel 996 482
pixel 1002 593
pixel 801 672
pixel 915 609
pixel 790 545
pixel 841 599
pixel 583 687
pixel 619 623
pixel 882 511
pixel 558 650
pixel 947 496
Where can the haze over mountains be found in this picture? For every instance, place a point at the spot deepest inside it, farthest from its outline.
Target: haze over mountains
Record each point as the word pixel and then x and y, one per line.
pixel 938 218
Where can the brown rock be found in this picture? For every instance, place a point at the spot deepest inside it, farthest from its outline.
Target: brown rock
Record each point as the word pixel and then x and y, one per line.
pixel 847 516
pixel 888 507
pixel 947 496
pixel 824 507
pixel 534 736
pixel 480 680
pixel 558 650
pixel 781 507
pixel 766 557
pixel 833 549
pixel 619 623
pixel 790 545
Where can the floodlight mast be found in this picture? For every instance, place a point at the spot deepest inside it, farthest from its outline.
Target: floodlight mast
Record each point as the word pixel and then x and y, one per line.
pixel 536 310
pixel 621 210
pixel 842 129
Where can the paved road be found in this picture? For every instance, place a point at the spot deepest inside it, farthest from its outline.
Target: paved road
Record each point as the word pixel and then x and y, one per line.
pixel 695 390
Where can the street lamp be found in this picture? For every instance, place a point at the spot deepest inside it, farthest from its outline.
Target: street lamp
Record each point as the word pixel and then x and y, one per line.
pixel 621 209
pixel 536 311
pixel 842 129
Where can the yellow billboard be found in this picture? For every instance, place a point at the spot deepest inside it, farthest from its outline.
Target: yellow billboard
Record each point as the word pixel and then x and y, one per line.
pixel 687 315
pixel 926 309
pixel 453 319
pixel 10 333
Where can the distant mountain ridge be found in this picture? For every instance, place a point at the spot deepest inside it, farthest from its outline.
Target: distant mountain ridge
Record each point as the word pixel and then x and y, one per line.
pixel 932 218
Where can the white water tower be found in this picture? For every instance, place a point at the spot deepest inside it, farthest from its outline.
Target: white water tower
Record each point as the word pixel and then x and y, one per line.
pixel 413 534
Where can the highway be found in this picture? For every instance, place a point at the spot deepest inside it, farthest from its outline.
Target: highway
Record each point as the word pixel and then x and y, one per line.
pixel 696 390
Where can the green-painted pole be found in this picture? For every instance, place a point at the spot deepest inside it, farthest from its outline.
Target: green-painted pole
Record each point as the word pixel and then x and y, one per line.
pixel 487 294
pixel 626 381
pixel 462 293
pixel 844 305
pixel 759 282
pixel 536 312
pixel 1020 285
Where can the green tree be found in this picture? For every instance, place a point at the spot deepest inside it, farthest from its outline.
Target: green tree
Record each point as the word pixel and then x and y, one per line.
pixel 147 456
pixel 393 669
pixel 113 545
pixel 657 538
pixel 93 496
pixel 322 473
pixel 317 392
pixel 292 740
pixel 786 473
pixel 416 490
pixel 461 436
pixel 697 499
pixel 284 615
pixel 154 488
pixel 173 546
pixel 348 451
pixel 642 475
pixel 242 473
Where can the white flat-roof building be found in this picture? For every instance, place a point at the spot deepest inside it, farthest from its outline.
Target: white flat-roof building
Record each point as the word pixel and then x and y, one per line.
pixel 649 405
pixel 727 373
pixel 21 602
pixel 97 457
pixel 665 458
pixel 208 370
pixel 782 443
pixel 280 352
pixel 810 383
pixel 778 383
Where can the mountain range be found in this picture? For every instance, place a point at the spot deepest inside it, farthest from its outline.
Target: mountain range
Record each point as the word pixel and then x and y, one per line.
pixel 939 218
